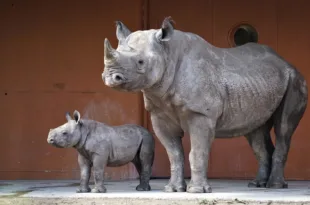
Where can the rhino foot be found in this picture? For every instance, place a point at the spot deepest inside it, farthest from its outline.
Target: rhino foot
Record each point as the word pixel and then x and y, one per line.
pixel 257 183
pixel 143 187
pixel 277 184
pixel 199 188
pixel 99 190
pixel 174 187
pixel 83 190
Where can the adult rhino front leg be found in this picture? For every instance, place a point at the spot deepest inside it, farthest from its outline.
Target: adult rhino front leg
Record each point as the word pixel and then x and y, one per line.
pixel 202 133
pixel 169 134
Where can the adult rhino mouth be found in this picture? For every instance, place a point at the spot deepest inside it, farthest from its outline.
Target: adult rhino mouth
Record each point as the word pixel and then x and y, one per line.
pixel 125 86
pixel 114 80
pixel 119 82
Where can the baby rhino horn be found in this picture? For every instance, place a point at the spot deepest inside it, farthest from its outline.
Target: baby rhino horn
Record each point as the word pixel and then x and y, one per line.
pixel 108 51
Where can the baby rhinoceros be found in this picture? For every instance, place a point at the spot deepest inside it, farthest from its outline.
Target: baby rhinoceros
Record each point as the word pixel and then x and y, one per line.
pixel 100 145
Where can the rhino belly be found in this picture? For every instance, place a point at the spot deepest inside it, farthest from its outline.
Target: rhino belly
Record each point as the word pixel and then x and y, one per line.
pixel 123 151
pixel 249 103
pixel 122 156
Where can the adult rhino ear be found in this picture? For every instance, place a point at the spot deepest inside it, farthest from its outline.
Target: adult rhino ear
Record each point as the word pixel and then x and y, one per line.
pixel 68 117
pixel 76 116
pixel 121 31
pixel 166 31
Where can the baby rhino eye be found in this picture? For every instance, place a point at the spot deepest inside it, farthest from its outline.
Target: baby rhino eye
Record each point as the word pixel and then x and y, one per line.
pixel 64 133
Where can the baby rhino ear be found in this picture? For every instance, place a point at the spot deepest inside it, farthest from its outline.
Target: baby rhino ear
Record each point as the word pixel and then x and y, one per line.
pixel 166 31
pixel 76 116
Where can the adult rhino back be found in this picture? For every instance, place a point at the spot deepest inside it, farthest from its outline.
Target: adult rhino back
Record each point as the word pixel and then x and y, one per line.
pixel 253 86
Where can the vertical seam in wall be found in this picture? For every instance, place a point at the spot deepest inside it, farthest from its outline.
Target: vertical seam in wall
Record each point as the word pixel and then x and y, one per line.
pixel 212 21
pixel 277 25
pixel 212 41
pixel 144 25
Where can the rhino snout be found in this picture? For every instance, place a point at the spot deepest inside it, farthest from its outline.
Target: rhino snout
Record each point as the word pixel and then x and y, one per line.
pixel 51 137
pixel 118 77
pixel 50 141
pixel 114 80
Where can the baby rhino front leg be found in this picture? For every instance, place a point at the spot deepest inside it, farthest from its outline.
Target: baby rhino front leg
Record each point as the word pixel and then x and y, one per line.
pixel 100 163
pixel 85 166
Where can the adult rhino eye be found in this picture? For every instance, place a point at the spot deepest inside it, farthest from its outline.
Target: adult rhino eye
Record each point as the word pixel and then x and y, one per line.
pixel 140 62
pixel 64 133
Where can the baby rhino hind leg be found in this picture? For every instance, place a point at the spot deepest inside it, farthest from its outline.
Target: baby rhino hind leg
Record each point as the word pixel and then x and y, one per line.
pixel 144 162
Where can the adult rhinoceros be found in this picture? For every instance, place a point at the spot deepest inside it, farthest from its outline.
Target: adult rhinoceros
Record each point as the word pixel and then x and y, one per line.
pixel 191 86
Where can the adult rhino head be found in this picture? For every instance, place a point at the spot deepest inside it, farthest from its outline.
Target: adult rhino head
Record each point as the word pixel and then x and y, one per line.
pixel 139 60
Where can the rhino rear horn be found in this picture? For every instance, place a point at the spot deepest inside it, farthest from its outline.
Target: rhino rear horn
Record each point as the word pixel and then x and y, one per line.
pixel 108 50
pixel 121 31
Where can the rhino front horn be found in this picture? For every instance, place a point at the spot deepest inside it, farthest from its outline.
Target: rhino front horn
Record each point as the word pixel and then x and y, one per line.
pixel 108 50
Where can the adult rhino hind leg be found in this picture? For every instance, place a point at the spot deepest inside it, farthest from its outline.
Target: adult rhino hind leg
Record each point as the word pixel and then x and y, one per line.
pixel 263 148
pixel 286 120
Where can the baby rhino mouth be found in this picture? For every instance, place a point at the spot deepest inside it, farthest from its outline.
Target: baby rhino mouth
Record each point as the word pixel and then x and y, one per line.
pixel 57 145
pixel 52 142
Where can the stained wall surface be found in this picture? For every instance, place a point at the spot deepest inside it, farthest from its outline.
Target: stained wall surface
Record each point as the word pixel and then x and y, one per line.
pixel 51 62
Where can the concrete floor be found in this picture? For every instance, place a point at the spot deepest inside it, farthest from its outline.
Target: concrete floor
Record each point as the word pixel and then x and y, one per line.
pixel 224 192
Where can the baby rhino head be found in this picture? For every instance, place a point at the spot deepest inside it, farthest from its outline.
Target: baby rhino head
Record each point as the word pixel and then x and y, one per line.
pixel 68 134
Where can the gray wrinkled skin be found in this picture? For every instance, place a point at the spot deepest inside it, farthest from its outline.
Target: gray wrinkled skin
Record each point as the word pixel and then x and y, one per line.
pixel 194 87
pixel 100 145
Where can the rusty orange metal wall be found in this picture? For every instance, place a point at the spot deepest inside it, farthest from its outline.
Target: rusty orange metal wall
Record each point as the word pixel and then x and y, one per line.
pixel 285 27
pixel 51 62
pixel 52 58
